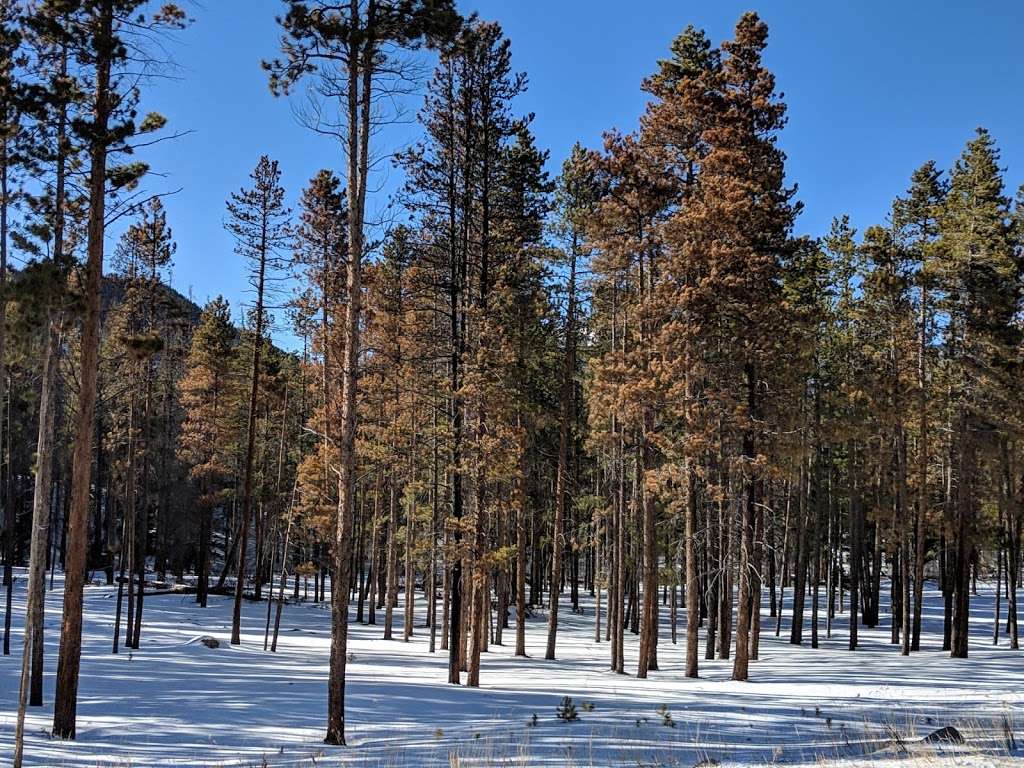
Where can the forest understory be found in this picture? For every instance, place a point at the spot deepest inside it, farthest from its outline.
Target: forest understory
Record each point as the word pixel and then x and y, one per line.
pixel 176 702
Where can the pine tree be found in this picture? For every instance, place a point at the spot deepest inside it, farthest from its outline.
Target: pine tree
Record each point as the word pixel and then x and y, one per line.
pixel 1011 460
pixel 206 390
pixel 888 334
pixel 525 364
pixel 351 48
pixel 634 195
pixel 847 401
pixel 727 244
pixel 672 139
pixel 47 105
pixel 917 216
pixel 576 200
pixel 143 257
pixel 96 32
pixel 258 220
pixel 321 250
pixel 983 280
pixel 474 180
pixel 50 215
pixel 12 107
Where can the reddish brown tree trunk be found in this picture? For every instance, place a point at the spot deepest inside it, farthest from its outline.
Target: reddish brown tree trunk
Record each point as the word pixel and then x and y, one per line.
pixel 66 698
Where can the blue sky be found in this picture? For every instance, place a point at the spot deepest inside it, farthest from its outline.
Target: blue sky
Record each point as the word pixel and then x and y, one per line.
pixel 874 89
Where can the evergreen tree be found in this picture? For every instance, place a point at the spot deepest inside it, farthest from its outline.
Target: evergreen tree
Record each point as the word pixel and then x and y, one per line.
pixel 206 392
pixel 917 217
pixel 258 220
pixel 351 49
pixel 983 277
pixel 12 107
pixel 96 34
pixel 576 199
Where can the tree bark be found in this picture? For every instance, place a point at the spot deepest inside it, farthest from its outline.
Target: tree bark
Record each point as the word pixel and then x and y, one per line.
pixel 359 106
pixel 692 585
pixel 69 656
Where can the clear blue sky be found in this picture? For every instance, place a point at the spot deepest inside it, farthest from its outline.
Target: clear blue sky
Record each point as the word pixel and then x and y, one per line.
pixel 874 89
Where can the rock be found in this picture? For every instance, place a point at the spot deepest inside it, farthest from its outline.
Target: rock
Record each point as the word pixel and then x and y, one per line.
pixel 947 735
pixel 707 762
pixel 209 642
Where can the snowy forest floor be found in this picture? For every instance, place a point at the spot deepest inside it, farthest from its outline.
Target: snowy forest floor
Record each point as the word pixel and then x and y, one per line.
pixel 175 702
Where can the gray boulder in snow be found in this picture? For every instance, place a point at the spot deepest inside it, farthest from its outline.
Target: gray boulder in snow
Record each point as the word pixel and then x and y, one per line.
pixel 947 735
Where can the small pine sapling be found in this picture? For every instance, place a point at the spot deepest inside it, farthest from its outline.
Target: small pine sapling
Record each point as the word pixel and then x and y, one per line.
pixel 567 710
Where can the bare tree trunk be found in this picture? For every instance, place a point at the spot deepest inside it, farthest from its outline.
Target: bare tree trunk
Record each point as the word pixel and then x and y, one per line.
pixel 203 570
pixel 392 559
pixel 69 657
pixel 40 531
pixel 284 574
pixel 1014 526
pixel 964 543
pixel 741 662
pixel 561 478
pixel 371 577
pixel 521 517
pixel 360 79
pixel 649 611
pixel 856 543
pixel 620 566
pixel 757 578
pixel 784 564
pixel 921 516
pixel 142 525
pixel 8 507
pixel 270 593
pixel 905 530
pixel 250 449
pixel 796 630
pixel 726 516
pixel 410 571
pixel 42 499
pixel 714 571
pixel 596 576
pixel 435 521
pixel 692 585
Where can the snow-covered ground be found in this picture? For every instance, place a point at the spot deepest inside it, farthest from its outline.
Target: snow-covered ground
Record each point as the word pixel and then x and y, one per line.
pixel 176 702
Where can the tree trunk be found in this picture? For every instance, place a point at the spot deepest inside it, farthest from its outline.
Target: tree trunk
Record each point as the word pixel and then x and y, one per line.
pixel 692 585
pixel 741 661
pixel 410 572
pixel 69 657
pixel 40 530
pixel 250 446
pixel 561 478
pixel 392 560
pixel 8 507
pixel 962 563
pixel 521 518
pixel 360 79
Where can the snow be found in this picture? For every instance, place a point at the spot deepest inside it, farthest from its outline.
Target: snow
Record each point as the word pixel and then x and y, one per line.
pixel 175 702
